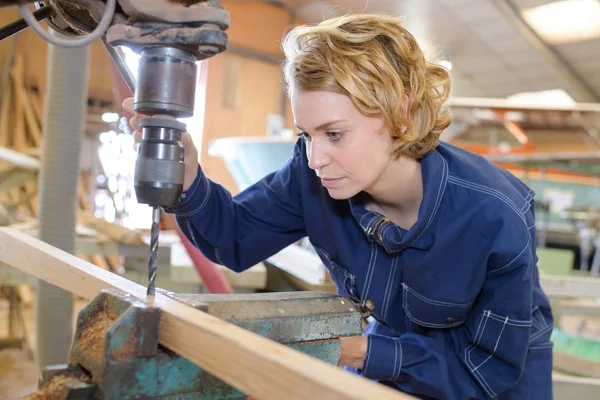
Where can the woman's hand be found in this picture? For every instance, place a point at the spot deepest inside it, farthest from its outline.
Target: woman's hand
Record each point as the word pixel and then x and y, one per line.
pixel 354 351
pixel 191 153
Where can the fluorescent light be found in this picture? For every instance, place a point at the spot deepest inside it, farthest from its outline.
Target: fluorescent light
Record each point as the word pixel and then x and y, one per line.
pixel 553 97
pixel 565 20
pixel 446 64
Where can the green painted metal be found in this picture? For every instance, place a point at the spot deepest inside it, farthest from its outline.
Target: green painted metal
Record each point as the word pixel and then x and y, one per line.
pixel 575 345
pixel 126 361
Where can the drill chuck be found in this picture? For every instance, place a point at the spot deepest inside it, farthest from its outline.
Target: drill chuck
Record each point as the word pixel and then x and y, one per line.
pixel 160 167
pixel 166 86
pixel 166 82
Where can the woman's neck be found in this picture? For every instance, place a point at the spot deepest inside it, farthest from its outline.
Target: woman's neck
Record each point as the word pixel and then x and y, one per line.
pixel 398 192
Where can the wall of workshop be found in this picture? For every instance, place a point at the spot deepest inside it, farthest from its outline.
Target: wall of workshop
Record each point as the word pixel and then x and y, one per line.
pixel 34 49
pixel 244 84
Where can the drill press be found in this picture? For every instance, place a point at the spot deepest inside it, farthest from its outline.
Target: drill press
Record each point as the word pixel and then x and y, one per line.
pixel 170 39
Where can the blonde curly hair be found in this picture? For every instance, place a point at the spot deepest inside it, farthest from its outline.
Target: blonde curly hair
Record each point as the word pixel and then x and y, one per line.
pixel 377 63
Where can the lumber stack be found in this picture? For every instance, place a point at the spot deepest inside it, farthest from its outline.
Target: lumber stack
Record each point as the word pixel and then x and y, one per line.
pixel 21 139
pixel 20 131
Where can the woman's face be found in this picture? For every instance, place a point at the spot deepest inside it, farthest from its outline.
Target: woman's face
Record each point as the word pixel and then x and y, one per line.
pixel 347 149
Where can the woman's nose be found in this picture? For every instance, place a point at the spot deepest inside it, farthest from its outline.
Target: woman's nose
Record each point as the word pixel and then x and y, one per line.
pixel 317 156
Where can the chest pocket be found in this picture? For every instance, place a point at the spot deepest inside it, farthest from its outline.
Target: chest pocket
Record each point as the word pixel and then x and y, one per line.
pixel 423 312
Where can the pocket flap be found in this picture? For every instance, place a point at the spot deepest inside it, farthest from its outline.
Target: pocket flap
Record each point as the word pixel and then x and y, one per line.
pixel 433 313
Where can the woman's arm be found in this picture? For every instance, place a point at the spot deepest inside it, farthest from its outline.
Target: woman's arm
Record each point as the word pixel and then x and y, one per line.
pixel 240 231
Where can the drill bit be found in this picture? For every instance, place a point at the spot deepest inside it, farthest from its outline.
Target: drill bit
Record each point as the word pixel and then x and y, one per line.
pixel 152 263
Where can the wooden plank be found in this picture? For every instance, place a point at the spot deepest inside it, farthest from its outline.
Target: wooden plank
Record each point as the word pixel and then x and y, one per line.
pixel 26 294
pixel 37 106
pixel 587 307
pixel 33 128
pixel 100 261
pixel 19 140
pixel 253 364
pixel 5 116
pixel 115 231
pixel 19 159
pixel 25 116
pixel 570 286
pixel 115 264
pixel 18 131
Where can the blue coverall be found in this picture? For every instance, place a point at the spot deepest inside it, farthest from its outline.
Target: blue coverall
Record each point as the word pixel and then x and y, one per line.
pixel 459 312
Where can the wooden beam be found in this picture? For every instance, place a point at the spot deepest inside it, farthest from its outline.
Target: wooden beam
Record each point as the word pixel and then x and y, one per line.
pixel 37 106
pixel 5 115
pixel 33 128
pixel 100 261
pixel 251 363
pixel 586 307
pixel 116 232
pixel 22 95
pixel 570 286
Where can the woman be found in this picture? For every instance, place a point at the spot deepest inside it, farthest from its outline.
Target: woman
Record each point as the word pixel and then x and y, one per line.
pixel 435 243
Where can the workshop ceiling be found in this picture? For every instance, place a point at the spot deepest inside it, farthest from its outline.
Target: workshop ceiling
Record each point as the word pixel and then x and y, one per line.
pixel 492 48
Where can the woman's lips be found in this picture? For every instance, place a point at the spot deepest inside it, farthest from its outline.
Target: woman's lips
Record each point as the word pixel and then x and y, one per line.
pixel 329 182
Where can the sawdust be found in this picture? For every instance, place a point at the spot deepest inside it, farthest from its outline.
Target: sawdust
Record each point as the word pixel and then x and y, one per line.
pixel 93 337
pixel 55 388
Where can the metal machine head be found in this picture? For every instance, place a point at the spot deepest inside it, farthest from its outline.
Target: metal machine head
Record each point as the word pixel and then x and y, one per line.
pixel 170 36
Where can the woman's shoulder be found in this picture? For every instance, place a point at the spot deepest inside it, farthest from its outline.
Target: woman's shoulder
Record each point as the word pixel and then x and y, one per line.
pixel 484 183
pixel 491 201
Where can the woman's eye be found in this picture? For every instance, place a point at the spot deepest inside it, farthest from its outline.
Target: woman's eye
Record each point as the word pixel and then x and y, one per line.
pixel 334 135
